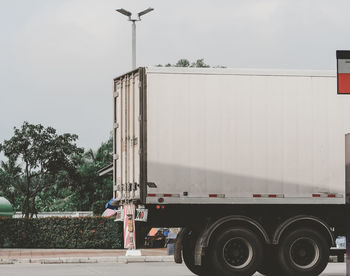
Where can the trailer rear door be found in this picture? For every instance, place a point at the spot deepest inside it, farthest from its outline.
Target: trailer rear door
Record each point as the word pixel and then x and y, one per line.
pixel 127 117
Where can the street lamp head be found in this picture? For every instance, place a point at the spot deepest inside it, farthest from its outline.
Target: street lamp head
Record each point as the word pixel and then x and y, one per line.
pixel 144 12
pixel 128 14
pixel 133 20
pixel 125 12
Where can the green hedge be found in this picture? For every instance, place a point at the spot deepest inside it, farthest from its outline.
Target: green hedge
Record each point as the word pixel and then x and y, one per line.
pixel 57 232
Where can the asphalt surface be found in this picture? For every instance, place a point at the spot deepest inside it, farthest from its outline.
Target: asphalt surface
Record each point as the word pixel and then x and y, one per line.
pixel 108 269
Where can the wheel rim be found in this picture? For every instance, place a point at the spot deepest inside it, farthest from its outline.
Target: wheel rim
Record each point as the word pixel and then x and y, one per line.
pixel 304 253
pixel 237 253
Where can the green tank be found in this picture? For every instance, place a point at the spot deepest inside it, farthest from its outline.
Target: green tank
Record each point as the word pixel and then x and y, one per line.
pixel 6 209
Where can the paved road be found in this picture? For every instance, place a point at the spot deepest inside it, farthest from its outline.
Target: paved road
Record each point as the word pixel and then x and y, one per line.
pixel 132 269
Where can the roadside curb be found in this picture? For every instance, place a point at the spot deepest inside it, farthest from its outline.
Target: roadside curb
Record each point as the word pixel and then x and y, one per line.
pixel 102 259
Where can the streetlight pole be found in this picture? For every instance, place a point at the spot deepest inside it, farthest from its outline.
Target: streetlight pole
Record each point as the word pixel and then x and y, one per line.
pixel 133 45
pixel 133 31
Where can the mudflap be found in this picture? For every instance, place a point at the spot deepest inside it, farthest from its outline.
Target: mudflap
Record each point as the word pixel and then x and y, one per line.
pixel 178 246
pixel 142 230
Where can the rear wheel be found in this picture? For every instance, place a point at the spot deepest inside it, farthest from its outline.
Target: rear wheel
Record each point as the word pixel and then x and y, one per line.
pixel 303 252
pixel 236 252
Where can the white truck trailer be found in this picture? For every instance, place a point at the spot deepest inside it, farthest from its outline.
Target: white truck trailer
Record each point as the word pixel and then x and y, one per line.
pixel 251 165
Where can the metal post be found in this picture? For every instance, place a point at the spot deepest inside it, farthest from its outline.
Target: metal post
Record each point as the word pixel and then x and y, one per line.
pixel 133 64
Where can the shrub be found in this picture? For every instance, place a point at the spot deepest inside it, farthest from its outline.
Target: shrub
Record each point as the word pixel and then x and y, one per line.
pixel 57 232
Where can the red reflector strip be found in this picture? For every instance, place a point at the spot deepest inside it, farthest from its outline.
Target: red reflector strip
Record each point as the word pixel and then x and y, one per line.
pixel 171 195
pixel 268 195
pixel 217 195
pixel 163 195
pixel 325 195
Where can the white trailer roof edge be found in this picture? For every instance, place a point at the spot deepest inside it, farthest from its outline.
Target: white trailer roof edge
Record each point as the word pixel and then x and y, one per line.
pixel 240 71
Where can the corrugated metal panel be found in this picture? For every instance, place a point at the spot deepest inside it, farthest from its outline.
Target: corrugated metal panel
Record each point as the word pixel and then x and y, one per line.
pixel 127 137
pixel 239 133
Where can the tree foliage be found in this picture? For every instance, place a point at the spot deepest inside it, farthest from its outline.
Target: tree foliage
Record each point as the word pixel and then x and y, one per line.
pixel 199 63
pixel 92 190
pixel 182 63
pixel 43 156
pixel 61 176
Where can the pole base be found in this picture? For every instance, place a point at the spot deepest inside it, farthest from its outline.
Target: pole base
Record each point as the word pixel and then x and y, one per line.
pixel 133 252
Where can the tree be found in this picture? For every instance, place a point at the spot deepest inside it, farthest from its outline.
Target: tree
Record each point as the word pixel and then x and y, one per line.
pixel 199 63
pixel 91 190
pixel 182 63
pixel 44 155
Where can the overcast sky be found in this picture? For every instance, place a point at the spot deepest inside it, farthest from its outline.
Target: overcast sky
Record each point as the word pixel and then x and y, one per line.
pixel 58 58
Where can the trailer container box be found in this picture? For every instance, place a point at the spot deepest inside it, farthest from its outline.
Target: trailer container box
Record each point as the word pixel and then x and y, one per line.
pixel 226 136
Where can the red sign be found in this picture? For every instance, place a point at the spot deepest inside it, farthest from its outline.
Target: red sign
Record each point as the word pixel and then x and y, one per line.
pixel 343 83
pixel 343 72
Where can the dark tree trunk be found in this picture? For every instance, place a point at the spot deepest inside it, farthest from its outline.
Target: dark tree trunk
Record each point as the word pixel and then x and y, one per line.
pixel 33 210
pixel 26 207
pixel 27 195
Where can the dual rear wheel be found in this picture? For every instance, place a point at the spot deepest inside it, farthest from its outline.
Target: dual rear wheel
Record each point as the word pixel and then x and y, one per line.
pixel 302 251
pixel 239 251
pixel 236 251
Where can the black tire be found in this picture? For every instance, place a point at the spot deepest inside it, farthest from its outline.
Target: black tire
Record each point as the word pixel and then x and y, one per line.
pixel 236 252
pixel 269 265
pixel 188 246
pixel 303 252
